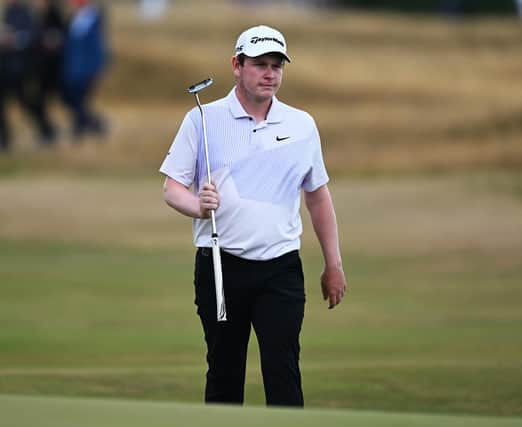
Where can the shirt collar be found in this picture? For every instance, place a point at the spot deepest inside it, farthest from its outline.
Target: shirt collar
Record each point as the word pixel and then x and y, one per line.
pixel 275 114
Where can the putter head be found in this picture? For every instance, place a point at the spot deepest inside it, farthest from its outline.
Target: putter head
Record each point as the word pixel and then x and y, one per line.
pixel 195 88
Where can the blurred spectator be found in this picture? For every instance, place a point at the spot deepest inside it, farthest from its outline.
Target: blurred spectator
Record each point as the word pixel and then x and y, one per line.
pixel 85 58
pixel 51 28
pixel 519 7
pixel 451 7
pixel 17 76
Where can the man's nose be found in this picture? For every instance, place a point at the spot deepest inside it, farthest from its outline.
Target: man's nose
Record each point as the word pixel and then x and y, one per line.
pixel 269 72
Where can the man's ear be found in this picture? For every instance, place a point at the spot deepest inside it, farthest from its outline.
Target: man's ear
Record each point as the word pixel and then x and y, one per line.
pixel 235 66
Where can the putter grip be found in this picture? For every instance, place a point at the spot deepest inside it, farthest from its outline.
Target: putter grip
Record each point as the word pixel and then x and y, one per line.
pixel 218 279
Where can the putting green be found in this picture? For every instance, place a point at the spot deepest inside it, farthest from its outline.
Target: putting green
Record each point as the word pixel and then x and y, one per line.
pixel 21 411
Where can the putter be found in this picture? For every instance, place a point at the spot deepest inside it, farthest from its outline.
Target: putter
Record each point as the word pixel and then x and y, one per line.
pixel 216 256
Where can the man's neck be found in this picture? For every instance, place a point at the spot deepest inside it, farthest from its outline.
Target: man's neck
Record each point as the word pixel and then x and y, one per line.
pixel 258 110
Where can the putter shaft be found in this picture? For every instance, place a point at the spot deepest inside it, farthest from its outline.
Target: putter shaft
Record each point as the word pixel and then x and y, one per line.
pixel 216 255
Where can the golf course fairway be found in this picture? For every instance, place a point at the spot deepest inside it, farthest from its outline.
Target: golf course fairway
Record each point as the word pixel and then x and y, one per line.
pixel 21 411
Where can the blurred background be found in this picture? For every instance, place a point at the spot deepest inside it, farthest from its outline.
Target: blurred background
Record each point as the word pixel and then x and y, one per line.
pixel 419 106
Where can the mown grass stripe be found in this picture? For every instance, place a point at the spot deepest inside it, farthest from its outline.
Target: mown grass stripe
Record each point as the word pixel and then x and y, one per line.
pixel 22 411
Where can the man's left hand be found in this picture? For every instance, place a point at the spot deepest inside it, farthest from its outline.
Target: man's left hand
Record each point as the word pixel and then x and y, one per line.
pixel 333 285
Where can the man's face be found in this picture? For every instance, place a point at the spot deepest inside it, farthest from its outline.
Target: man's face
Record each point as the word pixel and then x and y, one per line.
pixel 76 4
pixel 259 78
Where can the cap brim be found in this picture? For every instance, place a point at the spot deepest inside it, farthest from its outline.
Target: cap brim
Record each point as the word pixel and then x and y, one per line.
pixel 284 55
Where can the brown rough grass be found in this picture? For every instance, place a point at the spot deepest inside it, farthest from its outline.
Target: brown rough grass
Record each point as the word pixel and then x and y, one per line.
pixel 389 93
pixel 452 214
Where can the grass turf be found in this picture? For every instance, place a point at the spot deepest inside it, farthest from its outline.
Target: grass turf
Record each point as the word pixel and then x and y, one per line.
pixel 57 412
pixel 96 295
pixel 79 320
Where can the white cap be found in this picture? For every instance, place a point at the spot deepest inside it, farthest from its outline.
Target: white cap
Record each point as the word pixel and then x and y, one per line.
pixel 259 40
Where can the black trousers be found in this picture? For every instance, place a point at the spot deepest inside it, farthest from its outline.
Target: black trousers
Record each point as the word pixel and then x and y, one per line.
pixel 268 295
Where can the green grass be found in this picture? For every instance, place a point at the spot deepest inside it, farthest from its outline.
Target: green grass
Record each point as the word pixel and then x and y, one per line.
pixel 57 412
pixel 96 295
pixel 425 333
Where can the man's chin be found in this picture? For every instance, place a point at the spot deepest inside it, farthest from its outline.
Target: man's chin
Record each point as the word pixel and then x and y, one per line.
pixel 266 93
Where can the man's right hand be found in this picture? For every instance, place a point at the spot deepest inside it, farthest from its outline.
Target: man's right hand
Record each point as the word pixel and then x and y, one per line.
pixel 208 199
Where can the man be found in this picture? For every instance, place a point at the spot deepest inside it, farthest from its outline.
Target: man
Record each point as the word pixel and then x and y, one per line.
pixel 85 58
pixel 51 29
pixel 262 153
pixel 17 77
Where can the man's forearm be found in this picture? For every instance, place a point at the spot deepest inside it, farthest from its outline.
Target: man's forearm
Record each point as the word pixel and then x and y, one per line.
pixel 181 199
pixel 322 213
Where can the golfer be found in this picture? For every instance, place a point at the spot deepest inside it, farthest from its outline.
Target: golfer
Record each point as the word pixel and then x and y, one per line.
pixel 262 153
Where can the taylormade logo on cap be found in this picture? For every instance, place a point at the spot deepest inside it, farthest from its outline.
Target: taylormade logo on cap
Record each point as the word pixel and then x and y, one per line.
pixel 260 40
pixel 254 40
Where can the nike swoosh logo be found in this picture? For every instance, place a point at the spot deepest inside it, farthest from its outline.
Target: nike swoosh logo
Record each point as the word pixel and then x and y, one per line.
pixel 278 139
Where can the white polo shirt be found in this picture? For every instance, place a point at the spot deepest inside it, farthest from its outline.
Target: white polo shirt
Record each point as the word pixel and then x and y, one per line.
pixel 259 171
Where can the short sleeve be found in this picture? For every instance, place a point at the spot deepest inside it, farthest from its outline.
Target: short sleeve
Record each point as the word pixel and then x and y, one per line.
pixel 180 161
pixel 317 175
